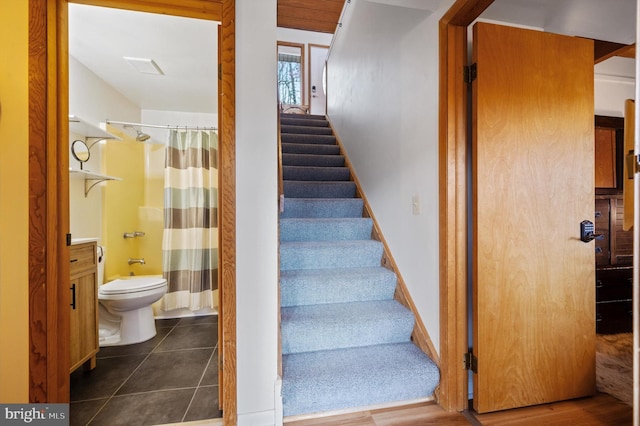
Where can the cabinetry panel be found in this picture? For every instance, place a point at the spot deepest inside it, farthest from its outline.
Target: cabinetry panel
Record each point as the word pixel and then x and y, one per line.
pixel 84 307
pixel 605 155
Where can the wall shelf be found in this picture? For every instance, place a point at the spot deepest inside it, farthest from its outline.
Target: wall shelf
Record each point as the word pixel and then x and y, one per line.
pixel 91 179
pixel 90 131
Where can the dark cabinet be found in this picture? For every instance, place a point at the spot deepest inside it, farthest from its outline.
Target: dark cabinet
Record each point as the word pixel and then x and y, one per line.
pixel 614 246
pixel 614 267
pixel 614 307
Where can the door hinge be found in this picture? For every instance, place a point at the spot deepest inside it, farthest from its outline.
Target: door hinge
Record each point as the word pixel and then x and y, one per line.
pixel 68 240
pixel 219 71
pixel 470 361
pixel 470 73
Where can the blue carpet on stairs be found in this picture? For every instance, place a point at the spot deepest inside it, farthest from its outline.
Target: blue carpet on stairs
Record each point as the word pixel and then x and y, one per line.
pixel 346 342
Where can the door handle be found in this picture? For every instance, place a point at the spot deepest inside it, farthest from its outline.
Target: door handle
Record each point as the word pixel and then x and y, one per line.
pixel 588 231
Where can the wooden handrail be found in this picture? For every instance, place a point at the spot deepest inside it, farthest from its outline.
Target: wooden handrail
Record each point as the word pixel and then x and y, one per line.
pixel 280 209
pixel 280 173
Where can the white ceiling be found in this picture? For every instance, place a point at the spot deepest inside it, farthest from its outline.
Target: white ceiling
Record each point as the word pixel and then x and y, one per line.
pixel 607 20
pixel 185 49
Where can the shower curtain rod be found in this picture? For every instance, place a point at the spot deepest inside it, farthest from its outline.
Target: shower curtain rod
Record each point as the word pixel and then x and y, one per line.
pixel 159 126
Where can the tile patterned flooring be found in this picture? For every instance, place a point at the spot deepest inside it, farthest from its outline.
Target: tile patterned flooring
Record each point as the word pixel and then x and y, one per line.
pixel 171 378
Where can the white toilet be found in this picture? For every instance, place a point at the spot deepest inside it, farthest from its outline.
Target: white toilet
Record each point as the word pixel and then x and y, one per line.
pixel 125 315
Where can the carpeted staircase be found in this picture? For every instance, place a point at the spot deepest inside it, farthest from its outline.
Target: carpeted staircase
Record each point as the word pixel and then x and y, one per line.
pixel 345 340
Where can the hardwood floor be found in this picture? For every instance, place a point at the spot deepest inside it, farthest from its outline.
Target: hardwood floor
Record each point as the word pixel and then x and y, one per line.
pixel 601 409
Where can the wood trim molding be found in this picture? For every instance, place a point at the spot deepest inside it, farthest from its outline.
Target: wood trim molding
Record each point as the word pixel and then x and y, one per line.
pixel 419 336
pixel 48 207
pixel 228 211
pixel 453 152
pixel 603 50
pixel 38 220
pixel 200 9
pixel 301 46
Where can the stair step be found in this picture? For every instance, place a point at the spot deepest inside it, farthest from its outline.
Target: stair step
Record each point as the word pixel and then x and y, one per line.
pixel 307 139
pixel 322 207
pixel 346 342
pixel 330 254
pixel 325 229
pixel 317 286
pixel 303 116
pixel 310 130
pixel 315 173
pixel 310 189
pixel 313 382
pixel 315 122
pixel 343 325
pixel 308 148
pixel 313 160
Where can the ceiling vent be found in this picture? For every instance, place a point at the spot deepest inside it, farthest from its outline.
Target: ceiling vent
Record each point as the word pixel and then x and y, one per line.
pixel 144 65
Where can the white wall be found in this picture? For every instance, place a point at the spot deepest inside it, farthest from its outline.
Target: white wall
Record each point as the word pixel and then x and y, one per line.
pixel 92 99
pixel 614 83
pixel 383 102
pixel 256 213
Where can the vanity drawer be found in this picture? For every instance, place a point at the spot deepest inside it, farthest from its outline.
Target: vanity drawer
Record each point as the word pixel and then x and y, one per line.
pixel 82 257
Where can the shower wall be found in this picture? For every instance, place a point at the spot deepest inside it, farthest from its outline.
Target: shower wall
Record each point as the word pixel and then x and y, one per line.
pixel 125 210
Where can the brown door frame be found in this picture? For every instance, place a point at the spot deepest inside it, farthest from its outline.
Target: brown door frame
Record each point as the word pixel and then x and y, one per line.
pixel 49 190
pixel 453 154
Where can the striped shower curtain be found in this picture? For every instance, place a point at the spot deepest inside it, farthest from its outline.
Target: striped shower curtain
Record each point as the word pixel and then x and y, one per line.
pixel 190 238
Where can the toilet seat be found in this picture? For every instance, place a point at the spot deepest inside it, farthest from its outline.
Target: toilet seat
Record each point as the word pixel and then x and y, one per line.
pixel 128 286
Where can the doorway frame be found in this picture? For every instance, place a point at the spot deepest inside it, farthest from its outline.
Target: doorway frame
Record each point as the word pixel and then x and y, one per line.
pixel 49 190
pixel 300 46
pixel 309 93
pixel 453 175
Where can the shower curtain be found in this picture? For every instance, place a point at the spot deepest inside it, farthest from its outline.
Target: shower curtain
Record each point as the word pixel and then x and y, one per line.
pixel 190 237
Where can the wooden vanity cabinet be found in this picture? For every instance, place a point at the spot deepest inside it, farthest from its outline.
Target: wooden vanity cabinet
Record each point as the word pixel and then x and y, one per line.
pixel 84 339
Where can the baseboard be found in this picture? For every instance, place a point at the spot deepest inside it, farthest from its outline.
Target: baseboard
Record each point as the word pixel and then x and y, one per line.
pixel 260 418
pixel 352 410
pixel 209 422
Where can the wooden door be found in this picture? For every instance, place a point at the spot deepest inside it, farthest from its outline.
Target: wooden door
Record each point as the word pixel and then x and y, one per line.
pixel 533 183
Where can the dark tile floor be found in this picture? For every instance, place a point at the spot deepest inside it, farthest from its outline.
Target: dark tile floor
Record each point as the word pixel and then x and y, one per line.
pixel 169 379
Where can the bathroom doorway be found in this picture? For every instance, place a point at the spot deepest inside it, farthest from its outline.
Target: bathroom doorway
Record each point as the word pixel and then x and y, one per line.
pixel 141 83
pixel 48 187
